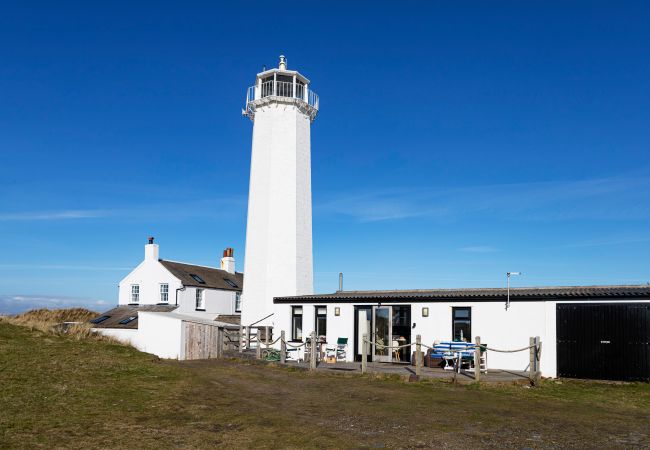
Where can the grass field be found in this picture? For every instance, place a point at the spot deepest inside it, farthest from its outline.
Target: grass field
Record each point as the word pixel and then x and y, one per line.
pixel 61 391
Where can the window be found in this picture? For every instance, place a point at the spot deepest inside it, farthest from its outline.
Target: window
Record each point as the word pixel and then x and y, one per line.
pixel 461 324
pixel 135 293
pixel 230 283
pixel 164 293
pixel 100 319
pixel 200 301
pixel 197 278
pixel 237 301
pixel 321 320
pixel 296 323
pixel 128 320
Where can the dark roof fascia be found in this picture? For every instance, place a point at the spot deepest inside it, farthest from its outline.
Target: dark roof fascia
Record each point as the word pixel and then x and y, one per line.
pixel 613 293
pixel 389 300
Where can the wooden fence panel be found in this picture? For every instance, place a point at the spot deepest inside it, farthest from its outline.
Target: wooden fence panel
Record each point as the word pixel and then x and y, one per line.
pixel 201 341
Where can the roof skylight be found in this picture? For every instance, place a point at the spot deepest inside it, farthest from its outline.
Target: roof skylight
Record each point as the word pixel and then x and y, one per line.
pixel 197 278
pixel 100 319
pixel 128 320
pixel 230 282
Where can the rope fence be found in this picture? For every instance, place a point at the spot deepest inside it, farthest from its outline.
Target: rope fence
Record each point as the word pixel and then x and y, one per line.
pixel 452 353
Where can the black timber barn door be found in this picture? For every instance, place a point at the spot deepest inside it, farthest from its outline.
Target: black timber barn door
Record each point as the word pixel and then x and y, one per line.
pixel 603 341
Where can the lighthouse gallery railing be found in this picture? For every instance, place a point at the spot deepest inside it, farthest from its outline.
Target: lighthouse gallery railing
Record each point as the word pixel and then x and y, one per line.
pixel 282 89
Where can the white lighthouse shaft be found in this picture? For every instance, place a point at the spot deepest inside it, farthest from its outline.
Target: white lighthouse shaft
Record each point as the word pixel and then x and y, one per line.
pixel 279 228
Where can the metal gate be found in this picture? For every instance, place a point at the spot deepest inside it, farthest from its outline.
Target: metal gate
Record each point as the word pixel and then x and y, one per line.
pixel 603 341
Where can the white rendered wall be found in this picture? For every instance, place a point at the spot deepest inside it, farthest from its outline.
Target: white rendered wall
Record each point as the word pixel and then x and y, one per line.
pixel 497 328
pixel 279 229
pixel 156 334
pixel 149 275
pixel 123 335
pixel 216 301
pixel 159 334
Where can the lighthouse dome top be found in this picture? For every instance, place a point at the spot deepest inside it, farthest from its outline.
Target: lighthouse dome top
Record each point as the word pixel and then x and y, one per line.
pixel 282 69
pixel 281 85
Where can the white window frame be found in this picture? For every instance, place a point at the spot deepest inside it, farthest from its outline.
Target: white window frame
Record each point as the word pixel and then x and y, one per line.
pixel 200 299
pixel 164 295
pixel 237 302
pixel 135 293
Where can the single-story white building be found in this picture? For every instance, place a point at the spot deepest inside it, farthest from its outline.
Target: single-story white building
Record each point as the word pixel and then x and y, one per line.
pixel 586 331
pixel 159 295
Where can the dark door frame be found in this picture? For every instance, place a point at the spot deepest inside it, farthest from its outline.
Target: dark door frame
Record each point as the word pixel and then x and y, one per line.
pixel 357 308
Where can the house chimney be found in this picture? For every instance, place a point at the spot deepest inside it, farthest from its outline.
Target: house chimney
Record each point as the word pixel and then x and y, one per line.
pixel 151 251
pixel 228 260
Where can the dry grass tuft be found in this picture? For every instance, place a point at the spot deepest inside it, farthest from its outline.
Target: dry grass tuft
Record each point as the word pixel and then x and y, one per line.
pixel 55 316
pixel 71 322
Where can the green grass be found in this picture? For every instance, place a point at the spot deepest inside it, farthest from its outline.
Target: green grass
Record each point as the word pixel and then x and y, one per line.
pixel 58 391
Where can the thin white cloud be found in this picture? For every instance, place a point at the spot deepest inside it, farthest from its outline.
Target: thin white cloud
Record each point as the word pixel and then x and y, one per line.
pixel 60 267
pixel 183 209
pixel 14 304
pixel 616 198
pixel 478 249
pixel 614 240
pixel 54 215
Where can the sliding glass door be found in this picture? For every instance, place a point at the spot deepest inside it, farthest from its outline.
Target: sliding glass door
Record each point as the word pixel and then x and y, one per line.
pixel 391 327
pixel 382 333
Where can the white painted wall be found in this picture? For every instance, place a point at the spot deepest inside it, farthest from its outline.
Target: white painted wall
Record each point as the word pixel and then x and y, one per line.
pixel 160 334
pixel 279 228
pixel 216 301
pixel 149 275
pixel 157 333
pixel 125 336
pixel 497 327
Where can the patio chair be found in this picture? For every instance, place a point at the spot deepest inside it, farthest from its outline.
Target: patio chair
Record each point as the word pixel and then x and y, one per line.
pixel 396 356
pixel 340 351
pixel 294 354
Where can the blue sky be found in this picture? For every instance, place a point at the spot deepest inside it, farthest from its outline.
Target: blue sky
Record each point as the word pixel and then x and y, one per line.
pixel 455 142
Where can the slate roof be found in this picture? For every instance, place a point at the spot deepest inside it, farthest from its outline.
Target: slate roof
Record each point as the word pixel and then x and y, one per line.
pixel 623 292
pixel 214 278
pixel 123 312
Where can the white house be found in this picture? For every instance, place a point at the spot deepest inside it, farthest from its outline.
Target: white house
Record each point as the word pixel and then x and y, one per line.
pixel 586 331
pixel 158 295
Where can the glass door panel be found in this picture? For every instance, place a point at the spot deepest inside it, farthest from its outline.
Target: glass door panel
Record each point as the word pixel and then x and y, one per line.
pixel 382 333
pixel 364 320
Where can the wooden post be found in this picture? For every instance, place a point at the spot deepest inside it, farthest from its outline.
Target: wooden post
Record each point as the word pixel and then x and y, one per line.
pixel 283 348
pixel 538 359
pixel 312 356
pixel 531 360
pixel 418 356
pixel 219 342
pixel 241 339
pixel 258 348
pixel 266 336
pixel 248 337
pixel 477 360
pixel 364 353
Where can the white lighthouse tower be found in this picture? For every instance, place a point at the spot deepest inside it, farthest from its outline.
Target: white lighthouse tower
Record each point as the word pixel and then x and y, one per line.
pixel 278 233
